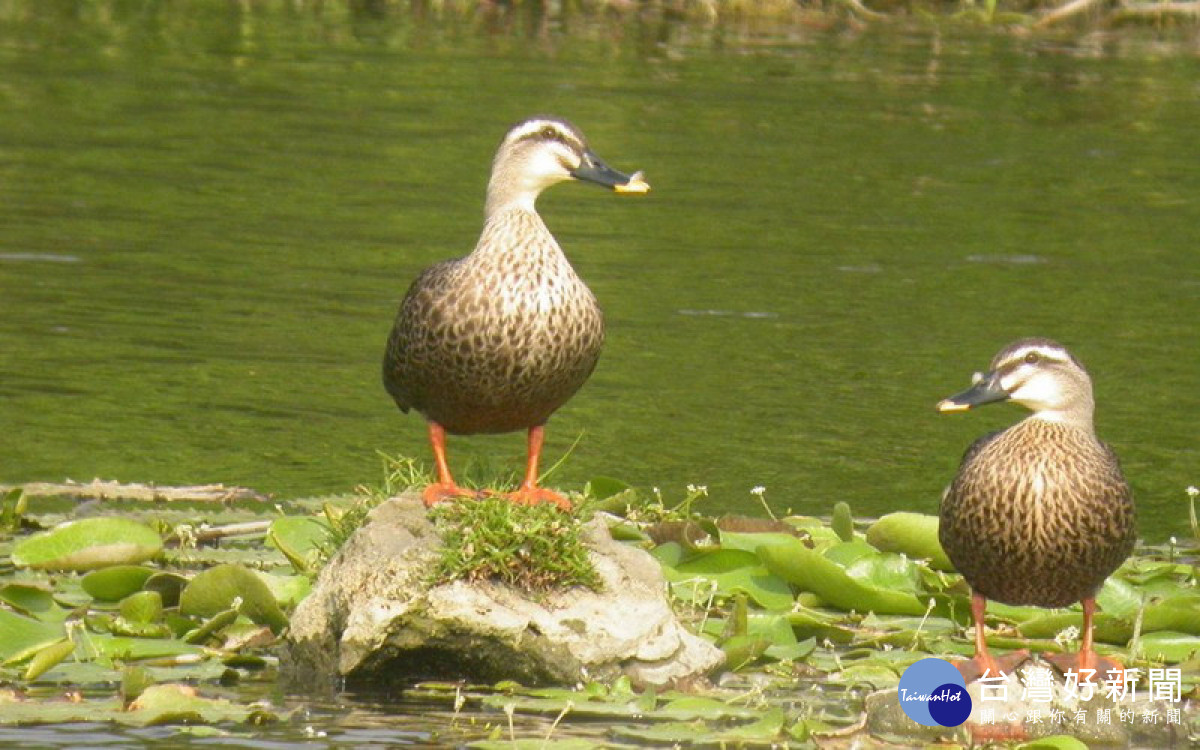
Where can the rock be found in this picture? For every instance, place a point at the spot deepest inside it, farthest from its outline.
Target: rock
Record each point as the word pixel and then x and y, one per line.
pixel 374 617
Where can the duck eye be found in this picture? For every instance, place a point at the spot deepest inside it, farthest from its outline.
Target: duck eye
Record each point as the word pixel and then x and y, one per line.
pixel 1032 358
pixel 549 133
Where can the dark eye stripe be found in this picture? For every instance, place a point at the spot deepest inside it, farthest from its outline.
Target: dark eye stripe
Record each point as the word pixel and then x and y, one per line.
pixel 551 133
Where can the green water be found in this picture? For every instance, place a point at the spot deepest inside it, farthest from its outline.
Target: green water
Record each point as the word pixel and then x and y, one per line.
pixel 208 215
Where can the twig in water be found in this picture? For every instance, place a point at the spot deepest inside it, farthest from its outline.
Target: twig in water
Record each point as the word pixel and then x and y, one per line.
pixel 209 533
pixel 565 710
pixel 99 489
pixel 1070 10
pixel 912 646
pixel 1156 10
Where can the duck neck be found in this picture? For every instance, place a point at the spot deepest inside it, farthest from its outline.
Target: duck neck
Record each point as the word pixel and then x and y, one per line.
pixel 513 232
pixel 1079 415
pixel 501 199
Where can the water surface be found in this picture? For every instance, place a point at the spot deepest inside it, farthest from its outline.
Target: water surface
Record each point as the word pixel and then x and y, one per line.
pixel 209 215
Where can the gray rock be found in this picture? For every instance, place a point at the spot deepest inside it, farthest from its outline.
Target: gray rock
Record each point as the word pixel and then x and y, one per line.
pixel 373 617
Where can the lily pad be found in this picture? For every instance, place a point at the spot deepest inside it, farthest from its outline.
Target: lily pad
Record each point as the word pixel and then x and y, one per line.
pixel 811 571
pixel 1054 742
pixel 1168 646
pixel 914 534
pixel 179 704
pixel 735 571
pixel 88 544
pixel 287 590
pixel 301 540
pixel 143 607
pixel 32 600
pixel 217 589
pixel 47 658
pixel 21 636
pixel 168 585
pixel 123 648
pixel 114 583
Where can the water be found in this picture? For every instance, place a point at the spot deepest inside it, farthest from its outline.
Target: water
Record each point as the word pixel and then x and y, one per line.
pixel 211 213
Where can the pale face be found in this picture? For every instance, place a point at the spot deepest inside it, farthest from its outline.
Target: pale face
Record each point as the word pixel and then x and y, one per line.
pixel 539 153
pixel 1043 377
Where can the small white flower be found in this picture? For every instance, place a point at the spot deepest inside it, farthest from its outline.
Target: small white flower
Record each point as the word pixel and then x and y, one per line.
pixel 1193 491
pixel 758 490
pixel 1067 636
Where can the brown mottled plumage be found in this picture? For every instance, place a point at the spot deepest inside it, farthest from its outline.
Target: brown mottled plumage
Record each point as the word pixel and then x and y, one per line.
pixel 1040 513
pixel 500 339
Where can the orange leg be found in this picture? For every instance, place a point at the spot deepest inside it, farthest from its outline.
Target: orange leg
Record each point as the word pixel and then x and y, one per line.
pixel 444 488
pixel 1087 658
pixel 529 493
pixel 983 663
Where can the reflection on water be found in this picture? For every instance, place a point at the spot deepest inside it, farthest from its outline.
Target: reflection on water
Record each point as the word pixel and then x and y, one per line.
pixel 210 214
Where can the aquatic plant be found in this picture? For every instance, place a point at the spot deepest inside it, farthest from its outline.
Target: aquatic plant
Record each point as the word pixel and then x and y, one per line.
pixel 812 613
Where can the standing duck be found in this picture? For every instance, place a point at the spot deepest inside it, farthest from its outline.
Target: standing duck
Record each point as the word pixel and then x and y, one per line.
pixel 500 339
pixel 1040 513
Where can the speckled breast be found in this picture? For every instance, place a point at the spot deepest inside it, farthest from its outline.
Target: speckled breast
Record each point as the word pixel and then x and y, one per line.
pixel 1040 515
pixel 475 359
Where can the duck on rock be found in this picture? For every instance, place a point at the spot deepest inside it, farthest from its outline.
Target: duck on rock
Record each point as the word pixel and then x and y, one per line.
pixel 1040 513
pixel 498 340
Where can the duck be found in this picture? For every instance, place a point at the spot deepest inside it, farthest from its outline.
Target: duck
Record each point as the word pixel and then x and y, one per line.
pixel 1039 513
pixel 496 341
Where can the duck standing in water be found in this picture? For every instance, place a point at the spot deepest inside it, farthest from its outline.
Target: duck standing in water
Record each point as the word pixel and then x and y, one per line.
pixel 1040 513
pixel 500 339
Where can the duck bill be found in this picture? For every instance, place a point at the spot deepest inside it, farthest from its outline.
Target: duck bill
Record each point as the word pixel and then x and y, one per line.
pixel 593 169
pixel 987 390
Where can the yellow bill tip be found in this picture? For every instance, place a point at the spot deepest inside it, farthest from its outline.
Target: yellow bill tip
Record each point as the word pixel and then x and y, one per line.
pixel 946 405
pixel 637 184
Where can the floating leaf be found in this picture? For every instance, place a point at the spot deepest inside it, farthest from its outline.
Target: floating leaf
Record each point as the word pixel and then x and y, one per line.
pixel 847 553
pixel 670 554
pixel 809 570
pixel 842 522
pixel 1054 742
pixel 741 650
pixel 88 544
pixel 134 681
pixel 177 704
pixel 875 675
pixel 168 585
pixel 114 583
pixel 914 534
pixel 32 600
pixel 1168 646
pixel 21 636
pixel 736 571
pixel 216 590
pixel 766 730
pixel 301 539
pixel 287 590
pixel 750 542
pixel 700 707
pixel 603 488
pixel 143 607
pixel 49 657
pixel 116 647
pixel 886 570
pixel 538 743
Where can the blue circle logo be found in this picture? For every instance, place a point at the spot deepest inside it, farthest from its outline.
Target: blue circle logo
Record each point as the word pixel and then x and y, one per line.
pixel 932 693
